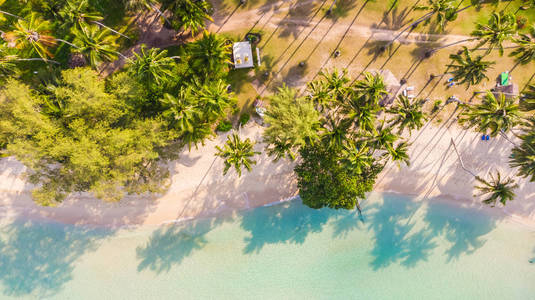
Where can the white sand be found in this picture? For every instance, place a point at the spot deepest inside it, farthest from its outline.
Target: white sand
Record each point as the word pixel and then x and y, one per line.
pixel 199 188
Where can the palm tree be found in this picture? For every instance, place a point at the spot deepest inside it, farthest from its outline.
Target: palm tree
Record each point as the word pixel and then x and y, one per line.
pixel 135 5
pixel 336 84
pixel 95 44
pixel 181 111
pixel 495 114
pixel 523 156
pixel 190 14
pixel 383 139
pixel 399 154
pixel 443 11
pixel 209 55
pixel 363 115
pixel 500 28
pixel 357 157
pixel 76 12
pixel 372 88
pixel 497 189
pixel 528 98
pixel 407 114
pixel 336 132
pixel 214 99
pixel 319 94
pixel 237 153
pixel 468 70
pixel 152 66
pixel 525 52
pixel 31 35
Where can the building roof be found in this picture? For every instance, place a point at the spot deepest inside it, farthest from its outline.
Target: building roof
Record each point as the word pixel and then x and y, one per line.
pixel 243 55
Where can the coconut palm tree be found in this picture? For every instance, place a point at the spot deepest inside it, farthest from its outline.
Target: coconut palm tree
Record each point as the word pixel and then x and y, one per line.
pixel 372 88
pixel 528 98
pixel 363 115
pixel 497 189
pixel 497 114
pixel 523 155
pixel 319 94
pixel 209 55
pixel 442 10
pixel 237 154
pixel 189 14
pixel 95 44
pixel 525 52
pixel 32 35
pixel 335 132
pixel 76 12
pixel 200 131
pixel 152 66
pixel 501 27
pixel 336 84
pixel 383 138
pixel 407 114
pixel 136 5
pixel 357 157
pixel 214 99
pixel 182 111
pixel 467 69
pixel 398 154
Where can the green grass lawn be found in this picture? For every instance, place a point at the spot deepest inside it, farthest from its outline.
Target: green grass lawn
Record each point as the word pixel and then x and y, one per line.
pixel 288 44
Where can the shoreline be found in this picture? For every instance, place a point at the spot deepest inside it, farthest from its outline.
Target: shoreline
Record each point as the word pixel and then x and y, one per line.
pixel 199 189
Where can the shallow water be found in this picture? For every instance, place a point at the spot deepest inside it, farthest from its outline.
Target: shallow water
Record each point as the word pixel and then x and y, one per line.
pixel 400 250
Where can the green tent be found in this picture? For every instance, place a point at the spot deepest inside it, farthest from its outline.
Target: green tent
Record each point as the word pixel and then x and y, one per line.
pixel 504 78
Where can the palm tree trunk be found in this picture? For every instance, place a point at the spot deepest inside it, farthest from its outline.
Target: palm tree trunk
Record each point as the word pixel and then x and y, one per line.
pixel 110 29
pixel 35 59
pixel 10 14
pixel 509 3
pixel 461 160
pixel 68 43
pixel 160 13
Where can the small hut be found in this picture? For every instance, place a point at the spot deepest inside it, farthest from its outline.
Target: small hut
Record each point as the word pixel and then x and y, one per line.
pixel 243 55
pixel 393 86
pixel 505 85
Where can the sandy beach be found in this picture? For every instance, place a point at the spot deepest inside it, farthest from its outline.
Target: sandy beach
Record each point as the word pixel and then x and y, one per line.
pixel 199 189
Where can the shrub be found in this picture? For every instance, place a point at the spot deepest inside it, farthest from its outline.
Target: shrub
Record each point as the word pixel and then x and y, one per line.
pixel 244 118
pixel 224 126
pixel 436 106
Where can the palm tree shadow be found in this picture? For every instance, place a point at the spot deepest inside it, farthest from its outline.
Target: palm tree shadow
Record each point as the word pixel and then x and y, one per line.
pixel 169 245
pixel 297 19
pixel 290 222
pixel 463 228
pixel 37 259
pixel 391 224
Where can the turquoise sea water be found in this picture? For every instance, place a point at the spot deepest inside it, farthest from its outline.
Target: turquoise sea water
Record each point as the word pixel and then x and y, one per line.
pixel 400 250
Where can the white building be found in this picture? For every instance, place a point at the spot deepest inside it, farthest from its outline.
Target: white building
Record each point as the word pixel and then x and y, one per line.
pixel 243 55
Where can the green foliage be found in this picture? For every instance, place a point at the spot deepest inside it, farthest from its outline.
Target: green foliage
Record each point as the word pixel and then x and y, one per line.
pixel 209 56
pixel 497 189
pixel 325 182
pixel 293 122
pixel 525 52
pixel 224 126
pixel 443 11
pixel 494 114
pixel 523 155
pixel 468 70
pixel 92 143
pixel 95 44
pixel 237 154
pixel 189 14
pixel 152 67
pixel 407 114
pixel 500 28
pixel 436 106
pixel 244 118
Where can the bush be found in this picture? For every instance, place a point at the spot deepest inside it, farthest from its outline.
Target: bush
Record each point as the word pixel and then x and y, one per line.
pixel 244 118
pixel 436 106
pixel 224 126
